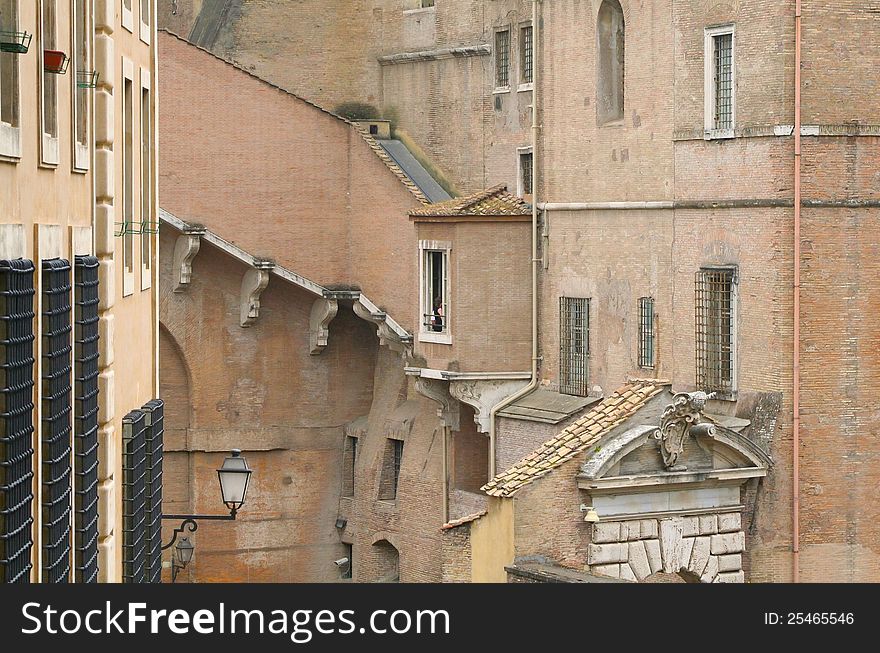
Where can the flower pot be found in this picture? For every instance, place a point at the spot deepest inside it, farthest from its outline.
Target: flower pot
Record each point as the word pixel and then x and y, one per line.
pixel 55 62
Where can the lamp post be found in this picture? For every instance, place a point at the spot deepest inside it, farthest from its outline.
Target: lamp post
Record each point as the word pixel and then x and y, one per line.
pixel 234 477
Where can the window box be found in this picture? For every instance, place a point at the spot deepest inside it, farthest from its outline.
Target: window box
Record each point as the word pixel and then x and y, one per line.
pixel 149 227
pixel 55 62
pixel 15 42
pixel 87 78
pixel 127 228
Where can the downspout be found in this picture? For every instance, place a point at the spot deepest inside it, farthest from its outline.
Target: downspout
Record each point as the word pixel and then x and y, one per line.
pixel 533 383
pixel 445 472
pixel 796 367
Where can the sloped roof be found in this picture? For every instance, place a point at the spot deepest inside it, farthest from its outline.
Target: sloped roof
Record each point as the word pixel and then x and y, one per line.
pixel 577 437
pixel 495 201
pixel 462 520
pixel 392 165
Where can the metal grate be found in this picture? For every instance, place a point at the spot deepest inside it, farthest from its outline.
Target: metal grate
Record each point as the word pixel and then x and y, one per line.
pixel 525 165
pixel 574 345
pixel 715 321
pixel 502 58
pixel 723 55
pixel 646 332
pixel 397 446
pixel 525 43
pixel 16 419
pixel 55 398
pixel 134 497
pixel 154 412
pixel 85 420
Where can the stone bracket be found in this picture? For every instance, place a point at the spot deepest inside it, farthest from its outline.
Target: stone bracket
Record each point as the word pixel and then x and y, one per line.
pixel 437 390
pixel 484 395
pixel 253 284
pixel 323 312
pixel 389 332
pixel 185 250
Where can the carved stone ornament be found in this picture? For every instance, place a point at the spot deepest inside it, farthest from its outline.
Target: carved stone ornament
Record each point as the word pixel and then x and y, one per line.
pixel 683 417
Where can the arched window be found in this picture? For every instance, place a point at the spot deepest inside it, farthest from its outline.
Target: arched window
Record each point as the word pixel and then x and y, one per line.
pixel 610 48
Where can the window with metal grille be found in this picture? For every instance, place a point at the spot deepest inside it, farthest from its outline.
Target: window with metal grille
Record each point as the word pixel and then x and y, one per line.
pixel 720 80
pixel 55 399
pixel 646 332
pixel 435 312
pixel 349 456
pixel 716 330
pixel 134 497
pixel 85 420
pixel 502 59
pixel 525 173
pixel 154 421
pixel 574 345
pixel 525 54
pixel 391 469
pixel 16 419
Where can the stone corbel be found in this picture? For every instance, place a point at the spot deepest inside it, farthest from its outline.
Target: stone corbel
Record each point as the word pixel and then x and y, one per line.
pixel 185 250
pixel 323 312
pixel 252 286
pixel 387 336
pixel 483 395
pixel 438 391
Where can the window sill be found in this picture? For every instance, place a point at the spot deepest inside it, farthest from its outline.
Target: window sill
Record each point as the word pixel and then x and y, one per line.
pixel 144 31
pixel 437 338
pixel 419 10
pixel 10 143
pixel 718 134
pixel 501 89
pixel 616 123
pixel 525 87
pixel 127 19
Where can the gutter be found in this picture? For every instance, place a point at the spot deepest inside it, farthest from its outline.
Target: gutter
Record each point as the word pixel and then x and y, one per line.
pixel 796 366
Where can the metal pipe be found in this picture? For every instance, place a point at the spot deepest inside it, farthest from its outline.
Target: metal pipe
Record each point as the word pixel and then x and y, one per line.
pixel 445 465
pixel 796 366
pixel 533 383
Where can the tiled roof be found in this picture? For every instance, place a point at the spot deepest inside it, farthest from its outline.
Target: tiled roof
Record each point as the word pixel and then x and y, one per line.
pixel 495 201
pixel 577 437
pixel 392 166
pixel 462 520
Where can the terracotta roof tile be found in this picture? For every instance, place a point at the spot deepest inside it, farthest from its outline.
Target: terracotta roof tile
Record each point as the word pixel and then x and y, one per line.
pixel 611 412
pixel 495 201
pixel 462 520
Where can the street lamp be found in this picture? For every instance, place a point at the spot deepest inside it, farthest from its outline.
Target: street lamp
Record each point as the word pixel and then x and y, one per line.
pixel 234 477
pixel 183 554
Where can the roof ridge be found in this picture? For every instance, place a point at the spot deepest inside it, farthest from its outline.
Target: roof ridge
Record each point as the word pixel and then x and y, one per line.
pixel 481 196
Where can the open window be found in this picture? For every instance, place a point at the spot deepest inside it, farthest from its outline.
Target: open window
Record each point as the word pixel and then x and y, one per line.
pixel 434 295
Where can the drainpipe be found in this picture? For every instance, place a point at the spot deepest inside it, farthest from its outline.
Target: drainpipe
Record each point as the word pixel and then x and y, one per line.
pixel 445 466
pixel 534 381
pixel 796 367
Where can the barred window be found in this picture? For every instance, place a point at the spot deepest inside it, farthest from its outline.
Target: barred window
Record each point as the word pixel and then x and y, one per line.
pixel 574 345
pixel 716 330
pixel 646 332
pixel 525 173
pixel 720 79
pixel 502 59
pixel 16 419
pixel 525 55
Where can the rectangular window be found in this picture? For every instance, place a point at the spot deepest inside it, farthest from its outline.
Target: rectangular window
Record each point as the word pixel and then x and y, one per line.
pixel 146 9
pixel 502 59
pixel 425 3
pixel 397 446
pixel 349 461
pixel 85 420
pixel 10 136
pixel 128 188
pixel 16 419
pixel 82 83
pixel 646 332
pixel 574 345
pixel 391 463
pixel 127 20
pixel 526 167
pixel 720 81
pixel 49 96
pixel 716 330
pixel 55 436
pixel 349 568
pixel 148 224
pixel 435 292
pixel 134 497
pixel 525 55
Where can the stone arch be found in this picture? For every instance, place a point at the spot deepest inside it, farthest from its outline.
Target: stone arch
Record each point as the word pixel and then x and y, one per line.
pixel 610 62
pixel 386 558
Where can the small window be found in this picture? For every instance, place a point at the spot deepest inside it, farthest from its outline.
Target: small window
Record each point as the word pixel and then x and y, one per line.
pixel 82 83
pixel 427 3
pixel 720 80
pixel 574 345
pixel 502 59
pixel 435 292
pixel 391 463
pixel 716 331
pixel 526 168
pixel 349 463
pixel 148 223
pixel 10 137
pixel 49 96
pixel 525 55
pixel 646 332
pixel 611 52
pixel 129 226
pixel 349 568
pixel 127 20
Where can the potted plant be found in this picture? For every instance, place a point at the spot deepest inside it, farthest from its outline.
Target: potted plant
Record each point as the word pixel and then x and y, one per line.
pixel 55 62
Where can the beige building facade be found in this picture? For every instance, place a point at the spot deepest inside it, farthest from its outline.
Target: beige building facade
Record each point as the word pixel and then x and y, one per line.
pixel 77 168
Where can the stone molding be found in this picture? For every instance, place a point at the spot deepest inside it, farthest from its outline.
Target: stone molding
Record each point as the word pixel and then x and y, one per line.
pixel 185 249
pixel 323 312
pixel 253 283
pixel 438 391
pixel 484 395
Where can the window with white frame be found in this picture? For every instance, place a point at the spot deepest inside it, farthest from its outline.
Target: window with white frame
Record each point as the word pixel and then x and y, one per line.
pixel 127 20
pixel 715 337
pixel 434 293
pixel 720 83
pixel 574 345
pixel 526 172
pixel 83 81
pixel 502 59
pixel 149 226
pixel 49 95
pixel 526 71
pixel 146 17
pixel 10 136
pixel 129 225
